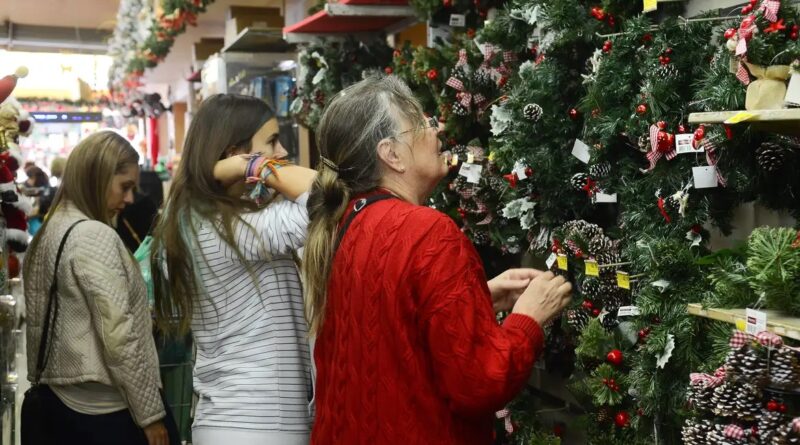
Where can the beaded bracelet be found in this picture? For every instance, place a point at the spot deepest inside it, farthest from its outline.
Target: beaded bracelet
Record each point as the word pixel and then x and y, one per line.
pixel 264 168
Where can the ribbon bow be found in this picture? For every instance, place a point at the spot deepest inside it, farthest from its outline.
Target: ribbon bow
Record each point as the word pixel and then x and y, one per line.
pixel 464 97
pixel 733 431
pixel 710 146
pixel 739 339
pixel 590 187
pixel 655 154
pixel 505 414
pixel 705 380
pixel 770 8
pixel 745 33
pixel 769 339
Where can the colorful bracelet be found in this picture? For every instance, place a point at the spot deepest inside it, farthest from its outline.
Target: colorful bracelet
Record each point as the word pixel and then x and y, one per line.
pixel 265 167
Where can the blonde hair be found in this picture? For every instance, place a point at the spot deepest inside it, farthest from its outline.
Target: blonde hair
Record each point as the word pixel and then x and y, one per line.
pixel 88 174
pixel 350 130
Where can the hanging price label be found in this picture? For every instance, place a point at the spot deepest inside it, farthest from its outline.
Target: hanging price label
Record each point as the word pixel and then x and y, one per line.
pixel 551 260
pixel 562 262
pixel 650 5
pixel 740 117
pixel 623 280
pixel 741 324
pixel 470 158
pixel 756 321
pixel 592 269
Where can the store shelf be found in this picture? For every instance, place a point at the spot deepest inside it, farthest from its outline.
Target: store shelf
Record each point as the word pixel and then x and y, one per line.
pixel 777 322
pixel 258 40
pixel 784 121
pixel 352 18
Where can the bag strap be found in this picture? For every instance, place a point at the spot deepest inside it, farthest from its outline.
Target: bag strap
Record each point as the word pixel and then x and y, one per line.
pixel 52 312
pixel 359 206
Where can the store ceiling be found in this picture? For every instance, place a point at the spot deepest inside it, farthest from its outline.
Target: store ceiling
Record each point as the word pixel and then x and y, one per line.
pixel 91 14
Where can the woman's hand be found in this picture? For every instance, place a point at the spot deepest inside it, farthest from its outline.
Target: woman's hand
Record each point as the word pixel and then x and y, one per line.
pixel 545 297
pixel 508 286
pixel 231 170
pixel 156 434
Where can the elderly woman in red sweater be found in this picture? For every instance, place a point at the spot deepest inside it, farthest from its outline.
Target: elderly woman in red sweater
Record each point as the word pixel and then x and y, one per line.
pixel 408 350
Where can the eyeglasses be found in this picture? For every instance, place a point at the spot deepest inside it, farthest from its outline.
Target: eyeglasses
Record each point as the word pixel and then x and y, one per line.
pixel 429 122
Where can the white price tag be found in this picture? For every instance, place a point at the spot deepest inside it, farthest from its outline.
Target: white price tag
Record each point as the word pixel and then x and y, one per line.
pixel 519 170
pixel 756 321
pixel 551 260
pixel 605 197
pixel 581 151
pixel 704 177
pixel 437 33
pixel 628 311
pixel 472 172
pixel 458 20
pixel 683 144
pixel 793 92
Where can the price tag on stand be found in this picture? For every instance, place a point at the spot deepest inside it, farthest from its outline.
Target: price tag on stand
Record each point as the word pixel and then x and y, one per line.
pixel 562 262
pixel 628 311
pixel 756 321
pixel 649 5
pixel 623 280
pixel 592 268
pixel 458 20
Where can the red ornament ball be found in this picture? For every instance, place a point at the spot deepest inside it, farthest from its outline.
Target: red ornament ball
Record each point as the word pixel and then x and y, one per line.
pixel 793 35
pixel 596 312
pixel 753 2
pixel 730 32
pixel 598 13
pixel 622 419
pixel 661 124
pixel 611 21
pixel 782 408
pixel 574 114
pixel 795 28
pixel 665 60
pixel 388 70
pixel 447 3
pixel 643 333
pixel 528 171
pixel 647 38
pixel 615 357
pixel 773 405
pixel 668 51
pixel 607 46
pixel 747 9
pixel 588 305
pixel 641 109
pixel 700 133
pixel 432 74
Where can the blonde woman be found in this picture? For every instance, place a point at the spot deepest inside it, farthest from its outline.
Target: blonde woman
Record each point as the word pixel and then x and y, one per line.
pixel 91 354
pixel 232 277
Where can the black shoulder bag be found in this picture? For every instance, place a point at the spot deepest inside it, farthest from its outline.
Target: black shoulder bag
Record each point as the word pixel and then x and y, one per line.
pixel 360 205
pixel 35 428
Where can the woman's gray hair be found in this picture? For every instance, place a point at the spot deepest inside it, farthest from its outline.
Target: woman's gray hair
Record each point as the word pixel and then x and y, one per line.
pixel 351 128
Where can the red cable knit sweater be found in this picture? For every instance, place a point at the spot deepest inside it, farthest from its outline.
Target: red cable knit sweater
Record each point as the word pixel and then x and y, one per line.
pixel 409 351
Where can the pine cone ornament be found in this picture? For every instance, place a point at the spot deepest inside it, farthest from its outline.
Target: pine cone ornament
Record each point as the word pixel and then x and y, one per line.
pixel 579 180
pixel 672 204
pixel 748 404
pixel 600 244
pixel 600 170
pixel 482 77
pixel 724 400
pixel 459 109
pixel 644 143
pixel 769 423
pixel 695 432
pixel 610 320
pixel 700 397
pixel 771 157
pixel 497 184
pixel 608 257
pixel 667 71
pixel 784 369
pixel 591 231
pixel 590 289
pixel 754 367
pixel 577 318
pixel 604 415
pixel 532 112
pixel 734 362
pixel 785 436
pixel 481 238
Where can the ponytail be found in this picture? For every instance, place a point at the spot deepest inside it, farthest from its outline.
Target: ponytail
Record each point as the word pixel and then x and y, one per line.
pixel 352 126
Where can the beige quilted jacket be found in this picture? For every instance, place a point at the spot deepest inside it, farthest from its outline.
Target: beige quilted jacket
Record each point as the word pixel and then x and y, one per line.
pixel 104 331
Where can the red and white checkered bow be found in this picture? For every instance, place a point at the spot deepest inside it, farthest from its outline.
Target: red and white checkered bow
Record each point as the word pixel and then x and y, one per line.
pixel 746 31
pixel 770 8
pixel 462 58
pixel 505 414
pixel 796 425
pixel 740 339
pixel 710 146
pixel 769 339
pixel 654 154
pixel 705 380
pixel 733 431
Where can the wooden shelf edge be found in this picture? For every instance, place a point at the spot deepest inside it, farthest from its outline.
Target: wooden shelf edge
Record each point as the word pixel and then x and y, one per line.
pixel 718 117
pixel 777 322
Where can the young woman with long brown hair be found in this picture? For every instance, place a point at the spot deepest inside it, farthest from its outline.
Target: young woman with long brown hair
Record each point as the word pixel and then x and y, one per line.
pixel 91 354
pixel 232 277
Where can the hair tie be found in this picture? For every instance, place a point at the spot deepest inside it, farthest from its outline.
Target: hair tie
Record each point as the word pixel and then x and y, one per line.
pixel 328 163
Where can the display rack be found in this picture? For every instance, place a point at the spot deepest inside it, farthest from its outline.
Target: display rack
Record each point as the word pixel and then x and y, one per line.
pixel 777 322
pixel 783 121
pixel 352 18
